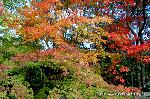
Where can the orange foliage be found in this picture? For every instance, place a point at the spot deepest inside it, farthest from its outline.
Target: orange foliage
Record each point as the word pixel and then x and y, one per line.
pixel 127 89
pixel 36 22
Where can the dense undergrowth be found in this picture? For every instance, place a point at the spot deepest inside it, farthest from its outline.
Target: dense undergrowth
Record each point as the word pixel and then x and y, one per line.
pixel 39 74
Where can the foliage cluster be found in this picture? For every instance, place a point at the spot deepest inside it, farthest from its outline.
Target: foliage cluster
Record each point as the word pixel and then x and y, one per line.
pixel 70 69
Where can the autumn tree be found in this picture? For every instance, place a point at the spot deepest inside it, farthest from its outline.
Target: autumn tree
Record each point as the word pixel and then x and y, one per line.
pixel 69 69
pixel 39 23
pixel 132 23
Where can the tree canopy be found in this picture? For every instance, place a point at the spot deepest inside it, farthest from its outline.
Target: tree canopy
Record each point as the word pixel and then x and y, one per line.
pixel 74 48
